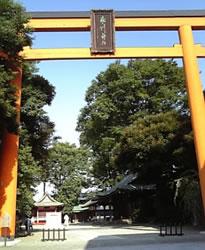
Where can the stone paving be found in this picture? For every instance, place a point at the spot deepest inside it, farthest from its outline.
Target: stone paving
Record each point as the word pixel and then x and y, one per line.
pixel 87 237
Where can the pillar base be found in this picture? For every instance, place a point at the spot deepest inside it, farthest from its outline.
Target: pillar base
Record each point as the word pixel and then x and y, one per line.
pixel 9 242
pixel 10 238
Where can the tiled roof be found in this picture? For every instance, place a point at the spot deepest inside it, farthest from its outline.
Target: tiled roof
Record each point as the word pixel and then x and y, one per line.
pixel 78 209
pixel 47 201
pixel 128 183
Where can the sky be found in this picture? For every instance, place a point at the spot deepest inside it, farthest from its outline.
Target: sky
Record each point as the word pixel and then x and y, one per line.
pixel 72 78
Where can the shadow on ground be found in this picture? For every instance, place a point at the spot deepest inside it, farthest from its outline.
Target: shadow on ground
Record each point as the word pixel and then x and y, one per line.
pixel 145 240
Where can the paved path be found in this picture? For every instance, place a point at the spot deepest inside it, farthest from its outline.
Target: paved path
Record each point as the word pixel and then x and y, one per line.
pixel 114 238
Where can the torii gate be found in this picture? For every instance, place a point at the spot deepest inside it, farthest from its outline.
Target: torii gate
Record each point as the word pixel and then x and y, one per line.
pixel 182 21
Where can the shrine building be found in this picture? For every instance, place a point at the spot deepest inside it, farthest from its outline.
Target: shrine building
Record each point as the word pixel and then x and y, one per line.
pixel 45 208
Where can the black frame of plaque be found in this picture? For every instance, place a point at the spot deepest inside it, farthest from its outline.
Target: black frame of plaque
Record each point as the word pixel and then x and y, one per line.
pixel 102 43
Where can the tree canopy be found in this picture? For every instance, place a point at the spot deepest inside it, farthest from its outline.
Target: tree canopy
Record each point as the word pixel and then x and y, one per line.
pixel 36 133
pixel 68 172
pixel 14 34
pixel 123 94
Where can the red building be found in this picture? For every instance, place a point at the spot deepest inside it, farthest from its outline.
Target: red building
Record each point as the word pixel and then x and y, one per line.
pixel 44 207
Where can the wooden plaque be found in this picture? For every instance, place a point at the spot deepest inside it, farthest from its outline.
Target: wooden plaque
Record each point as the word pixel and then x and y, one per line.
pixel 102 30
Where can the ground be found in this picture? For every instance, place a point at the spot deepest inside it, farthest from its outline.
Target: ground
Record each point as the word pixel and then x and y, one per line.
pixel 87 237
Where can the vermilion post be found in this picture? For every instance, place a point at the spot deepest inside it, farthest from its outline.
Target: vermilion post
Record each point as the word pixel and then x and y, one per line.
pixel 196 100
pixel 9 164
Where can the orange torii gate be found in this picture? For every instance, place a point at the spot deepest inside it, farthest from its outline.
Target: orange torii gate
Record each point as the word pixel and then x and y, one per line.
pixel 182 21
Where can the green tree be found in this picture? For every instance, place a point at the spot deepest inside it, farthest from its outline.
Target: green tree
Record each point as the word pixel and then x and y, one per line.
pixel 37 129
pixel 69 170
pixel 7 101
pixel 28 178
pixel 121 95
pixel 35 136
pixel 14 34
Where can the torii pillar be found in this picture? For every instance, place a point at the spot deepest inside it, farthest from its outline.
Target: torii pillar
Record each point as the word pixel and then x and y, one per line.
pixel 8 168
pixel 196 100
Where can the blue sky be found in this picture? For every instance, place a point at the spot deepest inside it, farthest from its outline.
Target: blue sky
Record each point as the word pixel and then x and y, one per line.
pixel 72 78
pixel 71 5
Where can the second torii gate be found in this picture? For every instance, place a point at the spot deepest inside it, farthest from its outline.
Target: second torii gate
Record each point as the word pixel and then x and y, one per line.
pixel 182 21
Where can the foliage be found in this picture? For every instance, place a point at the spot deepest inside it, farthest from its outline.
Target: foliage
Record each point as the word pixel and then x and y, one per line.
pixel 7 100
pixel 119 97
pixel 146 142
pixel 35 136
pixel 14 34
pixel 68 170
pixel 37 92
pixel 28 177
pixel 69 192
